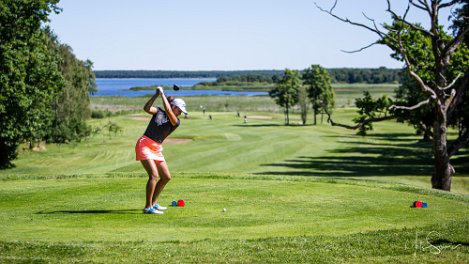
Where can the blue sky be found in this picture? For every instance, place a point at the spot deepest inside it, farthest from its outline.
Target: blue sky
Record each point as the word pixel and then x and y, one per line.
pixel 221 34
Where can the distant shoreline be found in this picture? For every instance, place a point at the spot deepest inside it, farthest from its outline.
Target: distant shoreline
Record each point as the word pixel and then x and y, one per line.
pixel 347 75
pixel 118 74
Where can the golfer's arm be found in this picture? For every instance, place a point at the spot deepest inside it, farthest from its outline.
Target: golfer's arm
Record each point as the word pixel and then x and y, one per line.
pixel 169 111
pixel 148 107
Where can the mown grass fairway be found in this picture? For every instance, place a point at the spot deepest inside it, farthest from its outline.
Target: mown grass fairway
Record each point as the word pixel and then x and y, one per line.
pixel 298 194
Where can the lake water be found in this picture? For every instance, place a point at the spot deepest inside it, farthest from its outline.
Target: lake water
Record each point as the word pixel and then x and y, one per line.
pixel 120 87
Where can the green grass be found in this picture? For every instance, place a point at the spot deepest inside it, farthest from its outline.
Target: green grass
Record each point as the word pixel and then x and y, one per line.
pixel 345 97
pixel 236 87
pixel 296 194
pixel 111 207
pixel 347 93
pixel 101 220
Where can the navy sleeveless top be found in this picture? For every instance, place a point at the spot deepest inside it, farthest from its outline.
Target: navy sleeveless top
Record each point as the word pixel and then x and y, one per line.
pixel 160 127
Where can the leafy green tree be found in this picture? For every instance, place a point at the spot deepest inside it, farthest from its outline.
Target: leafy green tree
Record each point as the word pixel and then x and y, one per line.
pixel 303 101
pixel 427 116
pixel 318 82
pixel 71 105
pixel 438 63
pixel 461 21
pixel 371 109
pixel 459 114
pixel 285 93
pixel 327 101
pixel 422 118
pixel 44 89
pixel 28 74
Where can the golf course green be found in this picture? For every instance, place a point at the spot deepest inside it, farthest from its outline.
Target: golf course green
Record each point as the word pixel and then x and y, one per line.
pixel 292 194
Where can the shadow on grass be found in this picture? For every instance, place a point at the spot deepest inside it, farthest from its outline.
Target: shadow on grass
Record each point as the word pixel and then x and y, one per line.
pixel 117 211
pixel 443 242
pixel 273 125
pixel 377 155
pixel 461 161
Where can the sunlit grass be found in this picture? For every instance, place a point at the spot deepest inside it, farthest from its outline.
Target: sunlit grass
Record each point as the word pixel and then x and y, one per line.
pixel 293 194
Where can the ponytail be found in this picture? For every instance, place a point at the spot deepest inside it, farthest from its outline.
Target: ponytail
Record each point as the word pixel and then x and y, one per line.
pixel 170 99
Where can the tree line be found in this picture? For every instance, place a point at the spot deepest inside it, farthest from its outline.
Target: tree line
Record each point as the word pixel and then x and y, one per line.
pixel 178 74
pixel 44 88
pixel 338 75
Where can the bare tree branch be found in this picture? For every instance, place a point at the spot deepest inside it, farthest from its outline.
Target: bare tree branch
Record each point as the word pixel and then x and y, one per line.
pixel 372 21
pixel 406 11
pixel 425 32
pixel 451 84
pixel 403 20
pixel 383 35
pixel 462 141
pixel 419 6
pixel 359 125
pixel 463 85
pixel 358 50
pixel 423 5
pixel 450 98
pixel 452 45
pixel 410 107
pixel 332 8
pixel 450 3
pixel 412 73
pixel 419 80
pixel 346 20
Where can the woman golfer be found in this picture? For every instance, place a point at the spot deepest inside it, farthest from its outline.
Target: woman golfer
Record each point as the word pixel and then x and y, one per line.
pixel 149 149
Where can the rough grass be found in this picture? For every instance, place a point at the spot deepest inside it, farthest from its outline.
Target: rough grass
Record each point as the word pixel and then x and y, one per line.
pixel 345 97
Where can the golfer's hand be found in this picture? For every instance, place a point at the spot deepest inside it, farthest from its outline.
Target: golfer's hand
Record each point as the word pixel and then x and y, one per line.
pixel 159 89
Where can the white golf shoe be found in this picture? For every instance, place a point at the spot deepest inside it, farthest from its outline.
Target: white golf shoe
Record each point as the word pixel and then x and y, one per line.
pixel 159 207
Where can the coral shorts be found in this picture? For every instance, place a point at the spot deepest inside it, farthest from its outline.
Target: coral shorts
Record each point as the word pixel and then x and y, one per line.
pixel 147 149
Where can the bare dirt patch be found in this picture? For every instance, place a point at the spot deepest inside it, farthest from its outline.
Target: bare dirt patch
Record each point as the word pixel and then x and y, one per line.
pixel 259 117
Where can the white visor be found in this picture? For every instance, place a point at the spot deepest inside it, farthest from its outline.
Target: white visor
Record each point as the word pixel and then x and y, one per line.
pixel 180 104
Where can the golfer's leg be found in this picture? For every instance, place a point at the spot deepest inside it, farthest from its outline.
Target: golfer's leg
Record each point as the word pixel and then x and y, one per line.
pixel 165 177
pixel 152 172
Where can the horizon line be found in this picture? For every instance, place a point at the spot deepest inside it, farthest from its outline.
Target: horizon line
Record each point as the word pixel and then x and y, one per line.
pixel 243 70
